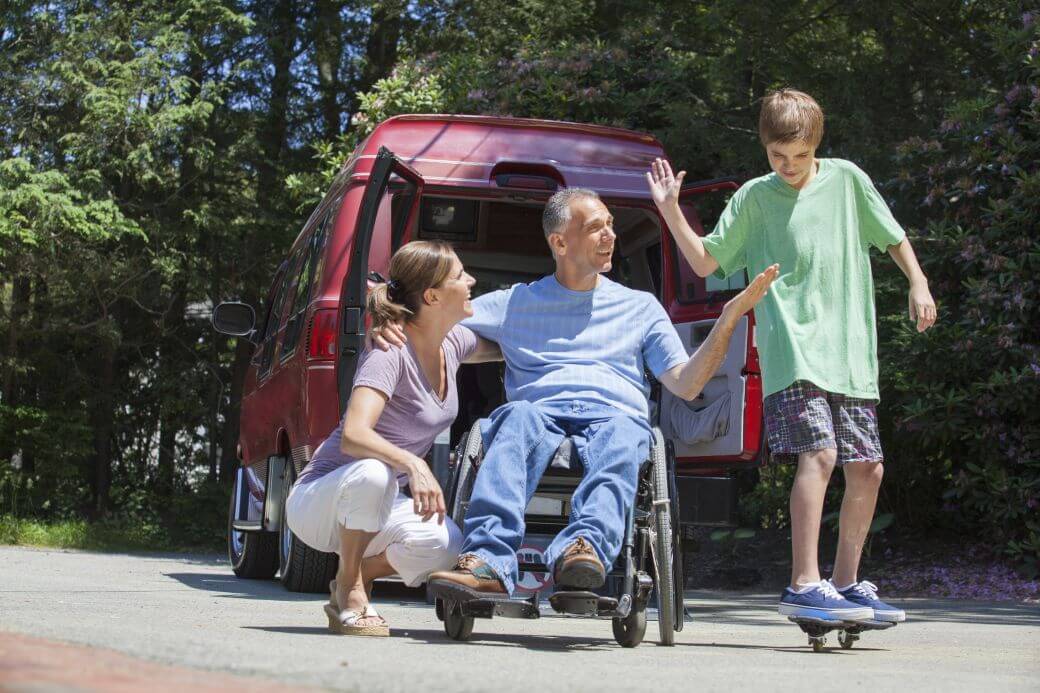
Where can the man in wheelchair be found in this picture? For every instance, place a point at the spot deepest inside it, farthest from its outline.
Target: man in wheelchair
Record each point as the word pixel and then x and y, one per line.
pixel 576 346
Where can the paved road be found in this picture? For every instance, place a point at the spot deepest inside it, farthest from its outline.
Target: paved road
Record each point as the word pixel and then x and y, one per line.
pixel 191 612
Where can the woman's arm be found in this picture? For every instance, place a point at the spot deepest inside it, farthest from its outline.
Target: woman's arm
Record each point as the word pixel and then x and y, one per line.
pixel 360 440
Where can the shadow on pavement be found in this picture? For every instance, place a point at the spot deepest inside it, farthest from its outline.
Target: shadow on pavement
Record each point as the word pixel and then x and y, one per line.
pixel 233 587
pixel 527 641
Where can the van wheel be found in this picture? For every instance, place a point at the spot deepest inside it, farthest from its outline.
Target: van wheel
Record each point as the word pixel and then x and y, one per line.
pixel 302 568
pixel 252 555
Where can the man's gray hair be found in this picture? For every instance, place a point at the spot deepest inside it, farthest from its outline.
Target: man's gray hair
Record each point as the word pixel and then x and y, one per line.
pixel 558 209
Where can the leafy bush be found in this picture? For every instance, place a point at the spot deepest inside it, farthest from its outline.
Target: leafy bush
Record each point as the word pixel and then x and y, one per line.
pixel 962 399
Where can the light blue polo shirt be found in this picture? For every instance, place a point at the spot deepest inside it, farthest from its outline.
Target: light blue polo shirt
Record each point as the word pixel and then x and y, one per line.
pixel 562 346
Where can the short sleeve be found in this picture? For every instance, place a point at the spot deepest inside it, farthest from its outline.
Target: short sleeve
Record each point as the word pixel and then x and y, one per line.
pixel 728 242
pixel 462 341
pixel 662 347
pixel 489 311
pixel 877 226
pixel 379 370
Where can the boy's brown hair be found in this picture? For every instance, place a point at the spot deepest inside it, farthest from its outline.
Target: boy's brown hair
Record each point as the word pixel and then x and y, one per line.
pixel 789 115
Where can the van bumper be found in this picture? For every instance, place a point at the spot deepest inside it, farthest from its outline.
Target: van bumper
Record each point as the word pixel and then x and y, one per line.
pixel 707 500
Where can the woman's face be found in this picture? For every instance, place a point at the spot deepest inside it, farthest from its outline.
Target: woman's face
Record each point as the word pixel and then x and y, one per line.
pixel 455 291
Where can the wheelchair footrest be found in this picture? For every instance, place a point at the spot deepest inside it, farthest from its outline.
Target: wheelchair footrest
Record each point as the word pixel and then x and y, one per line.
pixel 482 604
pixel 582 603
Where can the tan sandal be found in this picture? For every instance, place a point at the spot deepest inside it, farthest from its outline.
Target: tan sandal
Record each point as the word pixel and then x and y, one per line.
pixel 346 622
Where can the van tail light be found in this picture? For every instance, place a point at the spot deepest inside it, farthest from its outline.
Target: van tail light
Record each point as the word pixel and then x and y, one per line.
pixel 321 335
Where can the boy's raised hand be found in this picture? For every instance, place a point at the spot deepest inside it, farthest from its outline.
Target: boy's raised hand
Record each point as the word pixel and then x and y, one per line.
pixel 664 187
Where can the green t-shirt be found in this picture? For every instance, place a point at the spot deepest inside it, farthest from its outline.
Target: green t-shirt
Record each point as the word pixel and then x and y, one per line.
pixel 817 321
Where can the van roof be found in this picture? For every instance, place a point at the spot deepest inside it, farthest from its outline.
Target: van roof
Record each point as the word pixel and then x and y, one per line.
pixel 466 150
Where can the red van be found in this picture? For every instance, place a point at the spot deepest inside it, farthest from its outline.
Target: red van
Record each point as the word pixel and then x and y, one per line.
pixel 480 183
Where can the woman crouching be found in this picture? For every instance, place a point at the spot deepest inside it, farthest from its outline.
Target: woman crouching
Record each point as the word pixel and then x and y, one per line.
pixel 349 498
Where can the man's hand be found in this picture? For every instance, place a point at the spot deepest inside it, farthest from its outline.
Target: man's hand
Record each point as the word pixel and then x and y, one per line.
pixel 427 496
pixel 922 306
pixel 390 334
pixel 752 293
pixel 664 187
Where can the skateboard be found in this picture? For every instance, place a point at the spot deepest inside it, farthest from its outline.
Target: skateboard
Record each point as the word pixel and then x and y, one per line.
pixel 848 631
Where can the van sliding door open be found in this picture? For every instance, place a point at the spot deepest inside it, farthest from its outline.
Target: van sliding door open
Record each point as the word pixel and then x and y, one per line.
pixel 723 425
pixel 355 282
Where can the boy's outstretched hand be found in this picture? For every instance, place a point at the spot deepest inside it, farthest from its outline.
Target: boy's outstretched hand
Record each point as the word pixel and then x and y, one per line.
pixel 664 187
pixel 752 293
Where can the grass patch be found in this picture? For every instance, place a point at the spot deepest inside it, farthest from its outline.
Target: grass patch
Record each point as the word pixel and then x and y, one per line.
pixel 107 535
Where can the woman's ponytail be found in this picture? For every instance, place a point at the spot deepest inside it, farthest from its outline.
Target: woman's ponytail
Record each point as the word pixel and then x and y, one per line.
pixel 414 268
pixel 382 309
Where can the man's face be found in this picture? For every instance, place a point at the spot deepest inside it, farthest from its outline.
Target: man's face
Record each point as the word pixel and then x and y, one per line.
pixel 792 161
pixel 587 243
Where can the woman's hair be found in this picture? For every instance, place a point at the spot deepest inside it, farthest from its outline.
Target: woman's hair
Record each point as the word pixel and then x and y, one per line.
pixel 416 267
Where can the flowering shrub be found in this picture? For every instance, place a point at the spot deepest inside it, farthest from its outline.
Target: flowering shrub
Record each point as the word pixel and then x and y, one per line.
pixel 964 398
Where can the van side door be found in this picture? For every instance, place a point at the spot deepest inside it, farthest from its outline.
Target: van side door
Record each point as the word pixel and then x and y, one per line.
pixel 355 283
pixel 722 427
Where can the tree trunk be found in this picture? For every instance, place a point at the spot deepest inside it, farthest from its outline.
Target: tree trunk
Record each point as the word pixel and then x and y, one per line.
pixel 328 49
pixel 20 292
pixel 102 420
pixel 282 41
pixel 384 32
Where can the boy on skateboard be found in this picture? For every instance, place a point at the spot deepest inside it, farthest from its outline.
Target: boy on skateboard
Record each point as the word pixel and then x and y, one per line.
pixel 816 337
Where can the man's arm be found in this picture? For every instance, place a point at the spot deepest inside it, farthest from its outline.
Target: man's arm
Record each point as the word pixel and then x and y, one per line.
pixel 922 305
pixel 664 188
pixel 688 379
pixel 486 351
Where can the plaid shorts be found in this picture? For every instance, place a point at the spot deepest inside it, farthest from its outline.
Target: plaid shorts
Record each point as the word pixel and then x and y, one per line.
pixel 804 418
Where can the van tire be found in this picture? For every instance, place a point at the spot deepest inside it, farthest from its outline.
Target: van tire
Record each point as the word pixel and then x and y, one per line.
pixel 252 555
pixel 301 568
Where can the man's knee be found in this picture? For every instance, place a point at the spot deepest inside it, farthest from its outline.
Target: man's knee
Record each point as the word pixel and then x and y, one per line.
pixel 519 410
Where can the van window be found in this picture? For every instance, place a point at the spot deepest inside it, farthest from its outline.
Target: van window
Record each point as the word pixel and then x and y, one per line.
pixel 274 317
pixel 302 287
pixel 711 289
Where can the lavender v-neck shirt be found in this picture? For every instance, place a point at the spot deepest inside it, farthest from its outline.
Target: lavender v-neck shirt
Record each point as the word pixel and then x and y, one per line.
pixel 414 415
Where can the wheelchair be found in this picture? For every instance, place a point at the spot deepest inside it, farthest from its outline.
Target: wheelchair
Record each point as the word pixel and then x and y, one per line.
pixel 649 565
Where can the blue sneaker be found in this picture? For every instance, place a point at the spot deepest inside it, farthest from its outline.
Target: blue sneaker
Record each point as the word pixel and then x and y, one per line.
pixel 823 602
pixel 864 593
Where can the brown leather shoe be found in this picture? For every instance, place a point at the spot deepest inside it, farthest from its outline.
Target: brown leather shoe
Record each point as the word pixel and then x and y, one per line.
pixel 473 574
pixel 579 567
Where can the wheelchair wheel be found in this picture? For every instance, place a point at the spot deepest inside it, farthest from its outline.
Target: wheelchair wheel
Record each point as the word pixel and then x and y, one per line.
pixel 467 457
pixel 457 626
pixel 664 539
pixel 629 631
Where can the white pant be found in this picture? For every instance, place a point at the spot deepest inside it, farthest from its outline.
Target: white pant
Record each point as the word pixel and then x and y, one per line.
pixel 364 495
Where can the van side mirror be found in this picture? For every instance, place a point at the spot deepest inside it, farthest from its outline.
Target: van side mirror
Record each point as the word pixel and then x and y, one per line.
pixel 235 319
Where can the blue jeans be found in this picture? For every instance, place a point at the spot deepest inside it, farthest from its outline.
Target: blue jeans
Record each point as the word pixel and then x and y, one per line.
pixel 520 439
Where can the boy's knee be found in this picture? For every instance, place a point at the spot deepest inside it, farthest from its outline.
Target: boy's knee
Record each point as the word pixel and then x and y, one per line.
pixel 875 472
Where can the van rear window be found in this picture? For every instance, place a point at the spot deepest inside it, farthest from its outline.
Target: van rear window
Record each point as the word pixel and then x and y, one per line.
pixel 448 219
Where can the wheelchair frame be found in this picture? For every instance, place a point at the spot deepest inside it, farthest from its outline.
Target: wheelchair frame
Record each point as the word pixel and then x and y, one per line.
pixel 651 548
